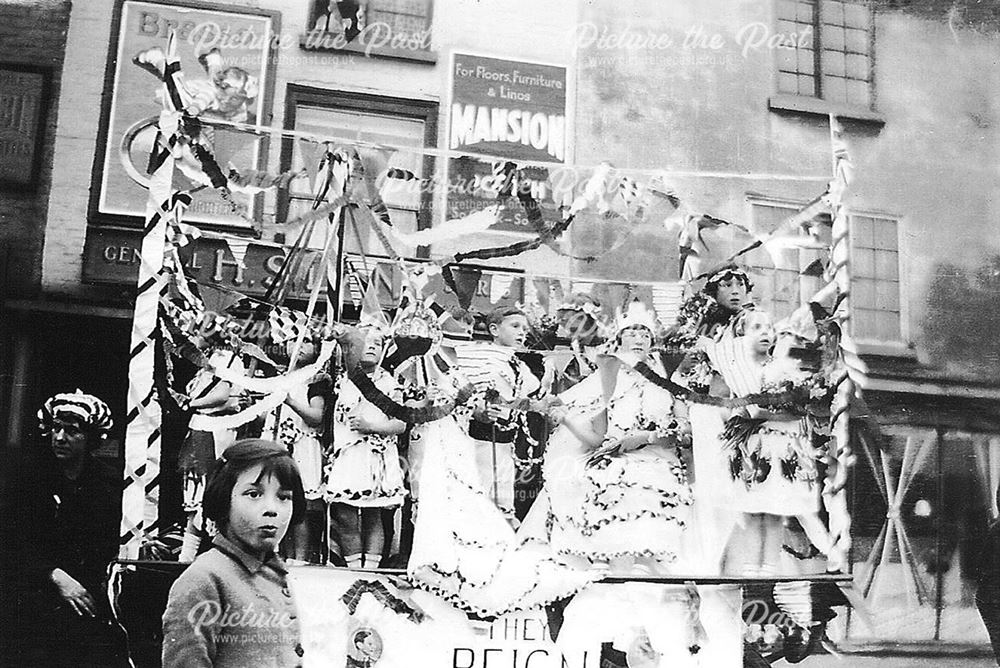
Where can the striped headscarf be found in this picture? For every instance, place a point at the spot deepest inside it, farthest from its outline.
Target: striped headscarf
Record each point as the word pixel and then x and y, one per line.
pixel 87 409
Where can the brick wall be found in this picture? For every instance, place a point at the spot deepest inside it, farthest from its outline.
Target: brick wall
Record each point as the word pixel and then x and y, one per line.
pixel 76 140
pixel 31 33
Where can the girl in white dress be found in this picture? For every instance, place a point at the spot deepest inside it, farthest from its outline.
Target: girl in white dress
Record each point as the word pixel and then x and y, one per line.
pixel 363 472
pixel 296 424
pixel 772 459
pixel 617 487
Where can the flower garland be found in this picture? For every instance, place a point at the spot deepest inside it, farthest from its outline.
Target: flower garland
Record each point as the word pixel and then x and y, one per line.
pixel 408 414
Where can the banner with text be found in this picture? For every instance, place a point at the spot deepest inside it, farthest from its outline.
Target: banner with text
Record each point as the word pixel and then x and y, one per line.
pixel 507 108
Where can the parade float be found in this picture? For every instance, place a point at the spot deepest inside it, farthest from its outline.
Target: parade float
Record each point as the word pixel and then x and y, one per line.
pixel 481 592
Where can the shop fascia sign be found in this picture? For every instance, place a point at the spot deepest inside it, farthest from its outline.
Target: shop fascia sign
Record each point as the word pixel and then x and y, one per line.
pixel 112 256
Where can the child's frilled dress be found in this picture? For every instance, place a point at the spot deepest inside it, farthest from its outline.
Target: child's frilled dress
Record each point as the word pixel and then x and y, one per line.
pixel 362 470
pixel 301 439
pixel 464 548
pixel 633 504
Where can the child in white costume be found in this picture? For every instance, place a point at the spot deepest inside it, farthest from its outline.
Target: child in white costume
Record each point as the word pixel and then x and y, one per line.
pixel 772 459
pixel 296 424
pixel 617 489
pixel 464 548
pixel 363 473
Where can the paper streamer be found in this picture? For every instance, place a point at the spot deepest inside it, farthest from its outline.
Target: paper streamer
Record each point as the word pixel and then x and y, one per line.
pixel 282 383
pixel 140 493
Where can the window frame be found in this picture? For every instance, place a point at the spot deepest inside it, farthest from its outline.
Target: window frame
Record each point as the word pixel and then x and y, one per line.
pixel 427 111
pixel 817 105
pixel 308 41
pixel 901 347
pixel 793 206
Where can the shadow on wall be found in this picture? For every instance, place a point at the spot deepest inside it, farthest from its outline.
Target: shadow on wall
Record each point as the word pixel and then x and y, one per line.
pixel 963 318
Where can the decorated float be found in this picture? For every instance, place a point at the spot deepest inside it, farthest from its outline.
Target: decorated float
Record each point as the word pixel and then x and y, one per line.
pixel 605 563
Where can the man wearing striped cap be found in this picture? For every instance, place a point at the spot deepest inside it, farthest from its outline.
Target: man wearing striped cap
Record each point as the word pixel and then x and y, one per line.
pixel 67 510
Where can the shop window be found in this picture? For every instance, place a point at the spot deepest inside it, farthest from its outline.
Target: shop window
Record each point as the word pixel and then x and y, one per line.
pixel 366 118
pixel 922 502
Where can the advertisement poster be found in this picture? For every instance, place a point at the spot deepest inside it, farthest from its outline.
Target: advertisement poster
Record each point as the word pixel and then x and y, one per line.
pixel 224 57
pixel 511 109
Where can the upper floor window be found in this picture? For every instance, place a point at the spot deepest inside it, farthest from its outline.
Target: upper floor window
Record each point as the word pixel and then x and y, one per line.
pixel 368 118
pixel 785 277
pixel 875 288
pixel 391 28
pixel 832 56
pixel 781 276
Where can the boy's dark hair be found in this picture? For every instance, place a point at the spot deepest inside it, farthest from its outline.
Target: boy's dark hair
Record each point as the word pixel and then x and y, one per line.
pixel 729 273
pixel 498 315
pixel 239 457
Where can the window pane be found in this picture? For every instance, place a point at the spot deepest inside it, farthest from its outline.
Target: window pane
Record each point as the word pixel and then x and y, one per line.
pixel 863 292
pixel 786 60
pixel 834 63
pixel 885 234
pixel 832 12
pixel 858 93
pixel 392 130
pixel 805 36
pixel 788 27
pixel 807 85
pixel 857 66
pixel 856 16
pixel 788 83
pixel 887 265
pixel 970 478
pixel 806 61
pixel 862 231
pixel 887 295
pixel 787 9
pixel 863 261
pixel 856 41
pixel 887 326
pixel 863 320
pixel 834 89
pixel 807 13
pixel 832 38
pixel 419 7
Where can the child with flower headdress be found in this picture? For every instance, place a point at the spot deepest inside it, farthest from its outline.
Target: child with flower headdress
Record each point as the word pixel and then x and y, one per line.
pixel 362 472
pixel 65 514
pixel 703 319
pixel 464 547
pixel 616 482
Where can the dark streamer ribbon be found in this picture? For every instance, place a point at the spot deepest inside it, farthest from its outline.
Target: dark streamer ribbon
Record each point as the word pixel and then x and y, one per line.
pixel 408 414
